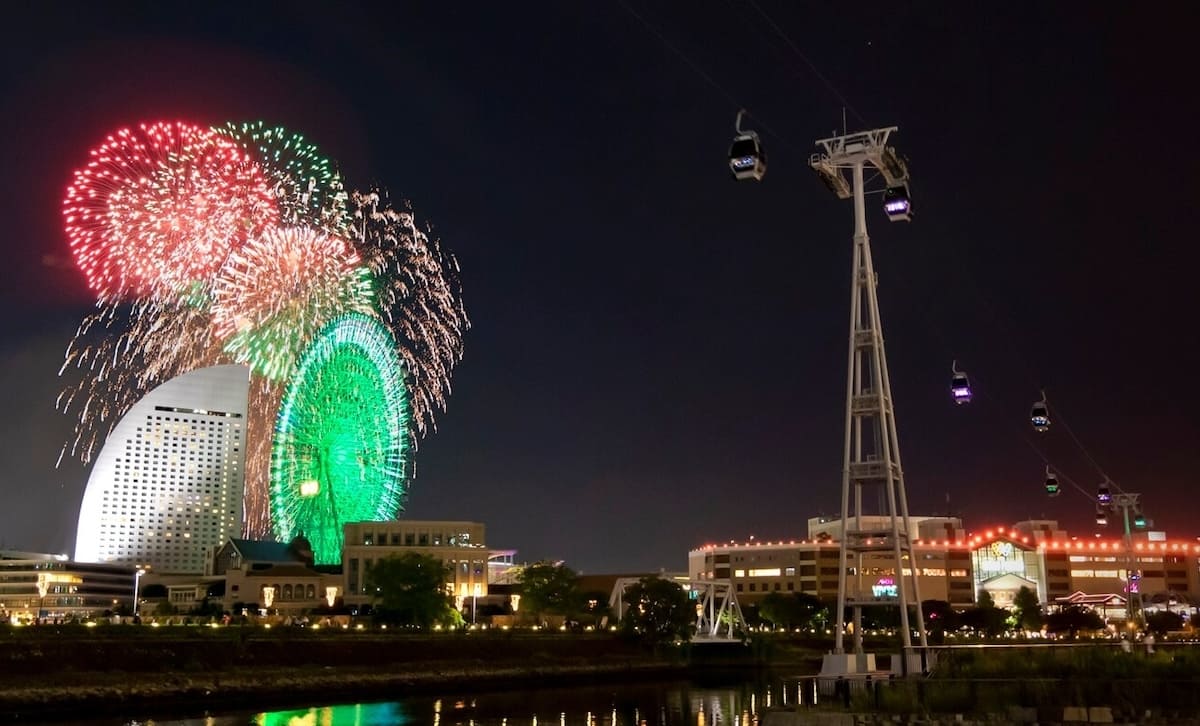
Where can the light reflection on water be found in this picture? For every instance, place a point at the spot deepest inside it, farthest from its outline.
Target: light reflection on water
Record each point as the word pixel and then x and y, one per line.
pixel 667 704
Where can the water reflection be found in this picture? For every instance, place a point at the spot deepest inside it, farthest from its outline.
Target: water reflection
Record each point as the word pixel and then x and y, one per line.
pixel 359 714
pixel 664 704
pixel 669 705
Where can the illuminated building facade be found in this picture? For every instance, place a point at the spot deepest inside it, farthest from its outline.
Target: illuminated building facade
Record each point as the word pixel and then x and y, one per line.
pixel 52 587
pixel 1001 561
pixel 167 486
pixel 461 545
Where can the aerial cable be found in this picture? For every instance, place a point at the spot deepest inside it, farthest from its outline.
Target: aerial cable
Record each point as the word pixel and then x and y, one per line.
pixel 812 66
pixel 1063 422
pixel 707 78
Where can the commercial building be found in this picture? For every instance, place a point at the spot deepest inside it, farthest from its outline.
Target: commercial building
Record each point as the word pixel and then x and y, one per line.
pixel 50 587
pixel 275 576
pixel 1033 554
pixel 167 486
pixel 460 545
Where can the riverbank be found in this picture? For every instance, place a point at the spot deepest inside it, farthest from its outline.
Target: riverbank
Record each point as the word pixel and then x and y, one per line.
pixel 62 674
pixel 122 694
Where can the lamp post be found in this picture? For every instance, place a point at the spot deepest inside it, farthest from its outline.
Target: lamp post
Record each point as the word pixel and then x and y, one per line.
pixel 137 581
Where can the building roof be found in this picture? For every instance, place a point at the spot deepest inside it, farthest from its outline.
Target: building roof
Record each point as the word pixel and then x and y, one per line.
pixel 253 550
pixel 284 571
pixel 1079 597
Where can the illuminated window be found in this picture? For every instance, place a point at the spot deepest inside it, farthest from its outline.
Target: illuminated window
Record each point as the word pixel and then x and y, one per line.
pixel 770 572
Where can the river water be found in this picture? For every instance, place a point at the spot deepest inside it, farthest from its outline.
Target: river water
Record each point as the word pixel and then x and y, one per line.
pixel 720 702
pixel 716 702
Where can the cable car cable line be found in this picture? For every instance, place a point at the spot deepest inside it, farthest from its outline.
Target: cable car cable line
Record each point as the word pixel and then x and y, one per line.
pixel 700 71
pixel 784 141
pixel 812 66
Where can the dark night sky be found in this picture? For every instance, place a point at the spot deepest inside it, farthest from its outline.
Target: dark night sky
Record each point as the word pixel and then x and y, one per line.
pixel 658 353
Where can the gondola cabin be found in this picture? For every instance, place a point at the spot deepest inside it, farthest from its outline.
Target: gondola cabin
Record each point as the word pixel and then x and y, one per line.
pixel 1052 488
pixel 1039 416
pixel 1101 516
pixel 1103 495
pixel 746 157
pixel 897 204
pixel 960 388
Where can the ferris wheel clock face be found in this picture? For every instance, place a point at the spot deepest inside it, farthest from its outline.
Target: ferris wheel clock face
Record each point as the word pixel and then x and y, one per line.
pixel 341 438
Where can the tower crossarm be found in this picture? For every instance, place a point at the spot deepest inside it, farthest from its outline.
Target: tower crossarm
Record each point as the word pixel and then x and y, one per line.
pixel 844 151
pixel 868 403
pixel 864 471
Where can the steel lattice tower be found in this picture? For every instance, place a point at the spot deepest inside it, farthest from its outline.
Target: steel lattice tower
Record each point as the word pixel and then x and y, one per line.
pixel 871 458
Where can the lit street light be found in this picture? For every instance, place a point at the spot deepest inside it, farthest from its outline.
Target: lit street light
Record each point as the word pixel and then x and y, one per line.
pixel 137 581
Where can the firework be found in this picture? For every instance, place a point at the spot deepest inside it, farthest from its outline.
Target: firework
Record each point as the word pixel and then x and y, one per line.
pixel 305 185
pixel 178 231
pixel 418 296
pixel 275 292
pixel 121 352
pixel 159 207
pixel 341 437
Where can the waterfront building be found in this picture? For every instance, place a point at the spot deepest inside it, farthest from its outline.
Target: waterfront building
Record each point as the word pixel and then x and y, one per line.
pixel 51 587
pixel 275 576
pixel 167 485
pixel 1033 554
pixel 460 545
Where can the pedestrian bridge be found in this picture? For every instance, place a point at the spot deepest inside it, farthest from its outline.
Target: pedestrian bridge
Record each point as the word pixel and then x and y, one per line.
pixel 718 615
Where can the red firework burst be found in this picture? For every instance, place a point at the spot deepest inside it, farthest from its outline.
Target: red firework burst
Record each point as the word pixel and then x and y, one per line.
pixel 159 208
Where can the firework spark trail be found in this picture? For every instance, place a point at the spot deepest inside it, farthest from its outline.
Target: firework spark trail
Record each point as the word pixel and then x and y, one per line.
pixel 305 185
pixel 176 229
pixel 265 396
pixel 278 290
pixel 419 298
pixel 160 206
pixel 123 351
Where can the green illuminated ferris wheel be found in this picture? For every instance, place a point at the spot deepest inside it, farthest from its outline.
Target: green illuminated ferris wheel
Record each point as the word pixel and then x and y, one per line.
pixel 341 438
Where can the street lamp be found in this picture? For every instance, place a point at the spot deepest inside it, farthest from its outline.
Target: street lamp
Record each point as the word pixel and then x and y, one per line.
pixel 137 581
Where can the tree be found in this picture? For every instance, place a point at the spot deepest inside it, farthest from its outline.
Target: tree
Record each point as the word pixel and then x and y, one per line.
pixel 985 619
pixel 777 609
pixel 1028 609
pixel 939 618
pixel 1163 621
pixel 548 588
pixel 1072 620
pixel 658 611
pixel 410 589
pixel 797 610
pixel 985 600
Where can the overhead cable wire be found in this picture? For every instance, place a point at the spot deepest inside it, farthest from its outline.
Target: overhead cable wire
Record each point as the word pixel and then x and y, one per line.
pixel 705 75
pixel 812 66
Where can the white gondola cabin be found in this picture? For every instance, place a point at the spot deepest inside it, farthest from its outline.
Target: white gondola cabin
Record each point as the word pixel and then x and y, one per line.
pixel 747 160
pixel 897 204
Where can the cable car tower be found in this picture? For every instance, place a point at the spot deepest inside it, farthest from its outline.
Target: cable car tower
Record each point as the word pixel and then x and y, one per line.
pixel 871 458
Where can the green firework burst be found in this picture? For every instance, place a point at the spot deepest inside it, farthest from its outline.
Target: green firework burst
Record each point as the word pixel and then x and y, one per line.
pixel 341 438
pixel 308 189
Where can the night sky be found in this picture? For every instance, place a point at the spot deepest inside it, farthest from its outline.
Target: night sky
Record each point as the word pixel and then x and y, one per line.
pixel 657 358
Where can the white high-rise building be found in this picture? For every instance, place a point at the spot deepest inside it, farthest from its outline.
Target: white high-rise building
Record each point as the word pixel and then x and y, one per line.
pixel 167 487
